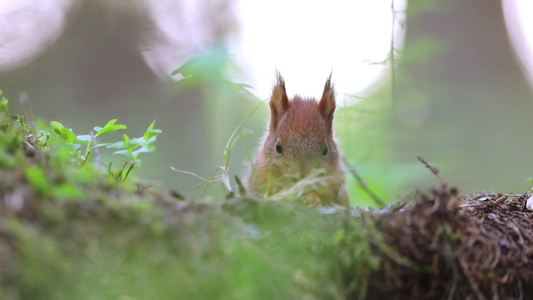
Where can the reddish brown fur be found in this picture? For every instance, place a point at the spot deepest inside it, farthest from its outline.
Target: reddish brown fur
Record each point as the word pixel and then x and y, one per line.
pixel 303 130
pixel 327 104
pixel 279 103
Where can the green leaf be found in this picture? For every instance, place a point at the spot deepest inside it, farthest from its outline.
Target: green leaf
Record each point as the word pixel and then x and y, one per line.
pixel 109 127
pixel 152 133
pixel 122 152
pixel 144 149
pixel 84 138
pixel 136 142
pixel 66 133
pixel 116 145
pixel 111 123
pixel 151 140
pixel 151 127
pixel 56 127
pixel 126 140
pixel 102 145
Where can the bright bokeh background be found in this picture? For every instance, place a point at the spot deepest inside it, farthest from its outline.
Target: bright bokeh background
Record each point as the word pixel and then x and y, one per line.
pixel 519 21
pixel 455 91
pixel 306 46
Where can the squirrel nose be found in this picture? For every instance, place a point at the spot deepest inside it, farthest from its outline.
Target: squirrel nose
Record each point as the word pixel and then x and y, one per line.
pixel 301 169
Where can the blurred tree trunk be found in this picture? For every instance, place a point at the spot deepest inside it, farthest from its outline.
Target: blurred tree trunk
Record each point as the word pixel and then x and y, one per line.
pixel 461 99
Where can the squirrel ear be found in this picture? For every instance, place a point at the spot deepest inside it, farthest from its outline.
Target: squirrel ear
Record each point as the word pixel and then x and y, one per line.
pixel 279 103
pixel 326 106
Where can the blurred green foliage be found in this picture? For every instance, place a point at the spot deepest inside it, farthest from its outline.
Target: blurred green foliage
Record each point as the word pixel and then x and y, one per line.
pixel 363 131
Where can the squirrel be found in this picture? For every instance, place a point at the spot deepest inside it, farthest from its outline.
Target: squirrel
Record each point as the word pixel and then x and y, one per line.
pixel 299 154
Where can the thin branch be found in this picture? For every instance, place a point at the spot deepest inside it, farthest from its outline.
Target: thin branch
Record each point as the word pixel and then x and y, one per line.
pixel 96 153
pixel 189 173
pixel 25 101
pixel 362 183
pixel 444 184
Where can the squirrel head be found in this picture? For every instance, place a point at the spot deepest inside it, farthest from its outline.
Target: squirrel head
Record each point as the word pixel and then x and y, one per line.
pixel 300 135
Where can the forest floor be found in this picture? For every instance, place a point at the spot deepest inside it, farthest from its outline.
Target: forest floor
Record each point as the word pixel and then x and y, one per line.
pixel 71 232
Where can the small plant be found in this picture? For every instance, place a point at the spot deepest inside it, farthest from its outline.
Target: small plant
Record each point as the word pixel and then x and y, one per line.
pixel 133 147
pixel 229 146
pixel 130 147
pixel 224 169
pixel 75 141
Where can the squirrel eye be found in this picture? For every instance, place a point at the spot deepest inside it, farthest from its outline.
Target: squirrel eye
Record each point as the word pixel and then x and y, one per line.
pixel 325 150
pixel 278 148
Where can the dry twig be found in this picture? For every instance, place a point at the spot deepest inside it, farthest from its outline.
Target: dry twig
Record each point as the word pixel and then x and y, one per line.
pixel 443 183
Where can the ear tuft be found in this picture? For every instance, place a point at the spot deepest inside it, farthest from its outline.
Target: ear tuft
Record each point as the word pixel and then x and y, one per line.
pixel 279 102
pixel 327 105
